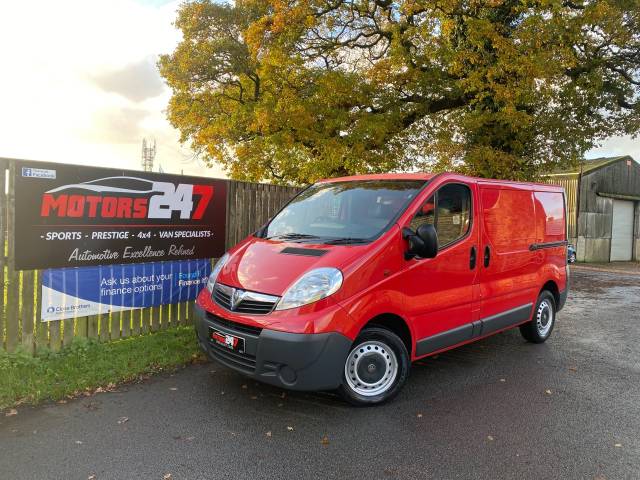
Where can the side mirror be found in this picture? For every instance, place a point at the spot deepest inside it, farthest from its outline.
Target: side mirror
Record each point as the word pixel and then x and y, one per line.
pixel 429 237
pixel 423 243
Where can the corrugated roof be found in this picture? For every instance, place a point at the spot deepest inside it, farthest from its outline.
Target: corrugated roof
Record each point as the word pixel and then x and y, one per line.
pixel 591 164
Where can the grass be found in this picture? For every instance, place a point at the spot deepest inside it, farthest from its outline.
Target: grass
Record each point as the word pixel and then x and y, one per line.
pixel 88 364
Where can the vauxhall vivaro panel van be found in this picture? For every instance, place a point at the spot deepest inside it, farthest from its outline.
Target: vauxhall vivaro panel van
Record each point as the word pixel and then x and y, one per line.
pixel 356 277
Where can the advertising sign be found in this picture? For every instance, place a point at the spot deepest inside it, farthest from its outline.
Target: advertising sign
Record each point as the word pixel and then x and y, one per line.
pixel 71 216
pixel 78 292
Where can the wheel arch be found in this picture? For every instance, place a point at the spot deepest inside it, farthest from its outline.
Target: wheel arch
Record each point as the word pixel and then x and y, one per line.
pixel 396 324
pixel 552 287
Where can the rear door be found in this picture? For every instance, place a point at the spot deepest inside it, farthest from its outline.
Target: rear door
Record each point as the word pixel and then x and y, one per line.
pixel 439 291
pixel 508 269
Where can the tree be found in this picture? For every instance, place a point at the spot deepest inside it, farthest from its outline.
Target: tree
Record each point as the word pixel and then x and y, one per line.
pixel 292 91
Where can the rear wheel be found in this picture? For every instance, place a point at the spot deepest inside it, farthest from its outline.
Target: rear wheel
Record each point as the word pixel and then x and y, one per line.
pixel 376 368
pixel 544 318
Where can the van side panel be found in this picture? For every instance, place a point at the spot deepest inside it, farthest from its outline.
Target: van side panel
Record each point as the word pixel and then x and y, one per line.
pixel 509 282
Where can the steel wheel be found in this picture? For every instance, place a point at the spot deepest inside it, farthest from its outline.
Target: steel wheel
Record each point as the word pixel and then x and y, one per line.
pixel 371 368
pixel 544 318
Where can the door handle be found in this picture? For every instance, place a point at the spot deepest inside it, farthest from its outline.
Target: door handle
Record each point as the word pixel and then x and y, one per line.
pixel 472 258
pixel 487 256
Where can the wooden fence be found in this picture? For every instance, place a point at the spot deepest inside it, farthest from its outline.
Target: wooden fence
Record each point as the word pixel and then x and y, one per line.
pixel 249 206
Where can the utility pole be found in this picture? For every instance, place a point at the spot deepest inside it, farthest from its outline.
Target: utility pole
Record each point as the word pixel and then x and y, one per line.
pixel 148 154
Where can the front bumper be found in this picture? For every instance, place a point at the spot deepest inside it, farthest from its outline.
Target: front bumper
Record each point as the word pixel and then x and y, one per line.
pixel 297 361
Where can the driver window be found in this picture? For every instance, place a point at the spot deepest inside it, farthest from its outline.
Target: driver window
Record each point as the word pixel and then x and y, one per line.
pixel 449 210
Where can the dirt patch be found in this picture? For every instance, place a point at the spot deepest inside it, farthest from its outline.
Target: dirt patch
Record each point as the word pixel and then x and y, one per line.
pixel 599 281
pixel 627 268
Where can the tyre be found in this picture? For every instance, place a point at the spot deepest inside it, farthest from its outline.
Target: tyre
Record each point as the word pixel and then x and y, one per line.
pixel 544 318
pixel 376 368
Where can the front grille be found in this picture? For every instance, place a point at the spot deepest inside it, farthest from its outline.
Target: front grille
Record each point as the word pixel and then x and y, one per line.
pixel 233 326
pixel 242 361
pixel 221 298
pixel 251 302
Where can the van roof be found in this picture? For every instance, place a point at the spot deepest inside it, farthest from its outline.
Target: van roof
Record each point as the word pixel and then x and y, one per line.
pixel 382 176
pixel 428 176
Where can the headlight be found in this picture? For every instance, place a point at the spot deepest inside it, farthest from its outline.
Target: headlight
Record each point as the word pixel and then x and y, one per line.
pixel 216 270
pixel 311 287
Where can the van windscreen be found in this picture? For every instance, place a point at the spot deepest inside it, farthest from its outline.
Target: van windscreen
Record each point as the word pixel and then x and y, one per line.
pixel 343 212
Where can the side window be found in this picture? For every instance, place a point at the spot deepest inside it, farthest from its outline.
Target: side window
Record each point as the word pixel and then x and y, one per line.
pixel 449 210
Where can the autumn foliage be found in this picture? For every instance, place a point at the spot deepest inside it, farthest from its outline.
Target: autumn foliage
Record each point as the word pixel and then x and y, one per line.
pixel 297 90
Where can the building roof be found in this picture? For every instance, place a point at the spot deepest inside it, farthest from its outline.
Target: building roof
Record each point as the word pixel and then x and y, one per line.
pixel 592 164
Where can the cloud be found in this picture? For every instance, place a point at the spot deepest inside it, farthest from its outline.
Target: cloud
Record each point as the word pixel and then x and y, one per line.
pixel 117 125
pixel 135 81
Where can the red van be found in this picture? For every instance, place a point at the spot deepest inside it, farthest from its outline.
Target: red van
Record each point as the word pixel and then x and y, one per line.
pixel 356 277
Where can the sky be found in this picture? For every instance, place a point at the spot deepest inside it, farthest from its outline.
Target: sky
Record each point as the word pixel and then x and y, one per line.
pixel 79 84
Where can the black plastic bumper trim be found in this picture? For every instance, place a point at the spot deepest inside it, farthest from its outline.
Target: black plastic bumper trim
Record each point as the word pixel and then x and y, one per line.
pixel 469 331
pixel 444 339
pixel 506 319
pixel 316 359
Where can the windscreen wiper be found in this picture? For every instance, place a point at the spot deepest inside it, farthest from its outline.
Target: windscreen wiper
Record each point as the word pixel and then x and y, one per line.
pixel 293 236
pixel 345 240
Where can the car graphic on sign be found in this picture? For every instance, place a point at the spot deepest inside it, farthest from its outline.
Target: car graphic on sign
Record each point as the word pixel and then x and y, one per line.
pixel 110 185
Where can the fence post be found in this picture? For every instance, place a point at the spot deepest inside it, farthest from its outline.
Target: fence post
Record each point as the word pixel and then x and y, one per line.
pixel 135 321
pixel 54 335
pixel 125 322
pixel 114 326
pixel 164 316
pixel 42 328
pixel 231 194
pixel 28 300
pixel 3 246
pixel 145 317
pixel 82 327
pixel 67 331
pixel 104 326
pixel 181 309
pixel 13 278
pixel 92 326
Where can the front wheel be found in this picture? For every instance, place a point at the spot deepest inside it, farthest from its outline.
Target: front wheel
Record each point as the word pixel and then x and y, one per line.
pixel 544 318
pixel 376 368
